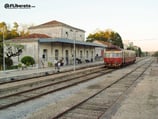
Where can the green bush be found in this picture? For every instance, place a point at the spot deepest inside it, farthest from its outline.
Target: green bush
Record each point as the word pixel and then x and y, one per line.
pixel 12 67
pixel 8 62
pixel 28 60
pixel 155 54
pixel 50 64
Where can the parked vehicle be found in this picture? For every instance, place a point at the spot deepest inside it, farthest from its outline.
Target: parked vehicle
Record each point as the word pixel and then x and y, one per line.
pixel 114 57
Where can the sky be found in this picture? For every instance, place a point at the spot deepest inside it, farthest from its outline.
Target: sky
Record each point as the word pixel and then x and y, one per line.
pixel 135 20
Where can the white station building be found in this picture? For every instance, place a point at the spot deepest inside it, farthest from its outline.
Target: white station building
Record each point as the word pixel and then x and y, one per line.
pixel 56 40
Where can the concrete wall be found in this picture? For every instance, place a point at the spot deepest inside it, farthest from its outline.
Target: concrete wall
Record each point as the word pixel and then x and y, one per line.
pixel 72 34
pixel 30 49
pixel 46 52
pixel 54 32
pixel 60 32
pixel 66 51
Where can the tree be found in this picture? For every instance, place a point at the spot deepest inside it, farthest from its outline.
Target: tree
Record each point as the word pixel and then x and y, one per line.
pixel 155 54
pixel 13 50
pixel 107 36
pixel 2 36
pixel 3 30
pixel 139 52
pixel 116 39
pixel 136 49
pixel 9 33
pixel 16 26
pixel 28 60
pixel 1 56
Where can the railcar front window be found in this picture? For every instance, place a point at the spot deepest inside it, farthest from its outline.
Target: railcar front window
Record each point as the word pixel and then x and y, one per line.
pixel 110 55
pixel 113 55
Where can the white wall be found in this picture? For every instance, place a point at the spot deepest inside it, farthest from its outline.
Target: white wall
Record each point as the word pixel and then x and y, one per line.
pixel 30 49
pixel 62 48
pixel 73 34
pixel 54 32
pixel 60 32
pixel 35 50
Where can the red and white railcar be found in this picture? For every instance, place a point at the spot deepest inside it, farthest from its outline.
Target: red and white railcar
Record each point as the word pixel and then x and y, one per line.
pixel 118 57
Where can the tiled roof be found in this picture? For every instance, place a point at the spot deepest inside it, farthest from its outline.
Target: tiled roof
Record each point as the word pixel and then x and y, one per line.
pixel 104 43
pixel 53 24
pixel 109 45
pixel 34 35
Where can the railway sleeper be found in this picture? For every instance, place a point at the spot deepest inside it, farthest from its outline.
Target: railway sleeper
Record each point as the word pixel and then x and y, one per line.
pixel 87 112
pixel 79 116
pixel 93 107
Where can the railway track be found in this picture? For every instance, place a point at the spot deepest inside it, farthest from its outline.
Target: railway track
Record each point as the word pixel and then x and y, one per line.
pixel 94 106
pixel 12 99
pixel 10 87
pixel 22 85
pixel 47 74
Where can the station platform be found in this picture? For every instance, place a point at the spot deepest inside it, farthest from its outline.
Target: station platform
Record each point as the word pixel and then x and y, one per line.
pixel 35 72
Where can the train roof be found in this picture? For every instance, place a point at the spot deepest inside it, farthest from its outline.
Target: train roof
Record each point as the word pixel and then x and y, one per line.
pixel 113 48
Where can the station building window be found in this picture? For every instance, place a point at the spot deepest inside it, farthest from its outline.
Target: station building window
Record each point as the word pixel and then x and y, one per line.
pixel 45 56
pixel 92 55
pixel 67 34
pixel 56 54
pixel 67 57
pixel 87 54
pixel 81 54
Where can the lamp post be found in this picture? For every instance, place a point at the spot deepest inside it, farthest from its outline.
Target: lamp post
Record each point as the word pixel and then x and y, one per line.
pixel 3 52
pixel 75 51
pixel 74 54
pixel 3 48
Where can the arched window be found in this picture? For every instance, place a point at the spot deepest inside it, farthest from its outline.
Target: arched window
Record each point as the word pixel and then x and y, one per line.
pixel 44 56
pixel 66 34
pixel 67 56
pixel 81 54
pixel 56 54
pixel 87 54
pixel 92 54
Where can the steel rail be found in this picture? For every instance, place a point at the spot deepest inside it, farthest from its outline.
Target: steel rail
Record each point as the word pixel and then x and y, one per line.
pixel 92 96
pixel 51 91
pixel 47 74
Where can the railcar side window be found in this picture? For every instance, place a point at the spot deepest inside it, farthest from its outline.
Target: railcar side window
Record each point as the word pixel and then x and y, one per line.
pixel 107 55
pixel 117 55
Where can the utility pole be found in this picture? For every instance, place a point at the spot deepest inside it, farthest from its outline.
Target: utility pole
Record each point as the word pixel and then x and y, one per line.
pixel 3 51
pixel 75 51
pixel 74 54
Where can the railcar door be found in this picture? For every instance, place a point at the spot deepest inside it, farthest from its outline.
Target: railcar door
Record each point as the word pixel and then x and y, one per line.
pixel 123 57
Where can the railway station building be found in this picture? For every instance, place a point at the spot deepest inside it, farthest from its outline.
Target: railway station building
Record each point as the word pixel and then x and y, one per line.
pixel 55 40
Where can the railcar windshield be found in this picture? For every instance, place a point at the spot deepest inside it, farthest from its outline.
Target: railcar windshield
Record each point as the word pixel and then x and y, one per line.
pixel 113 55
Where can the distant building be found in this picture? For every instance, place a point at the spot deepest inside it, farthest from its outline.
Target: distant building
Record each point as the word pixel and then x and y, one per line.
pixel 55 40
pixel 100 50
pixel 127 44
